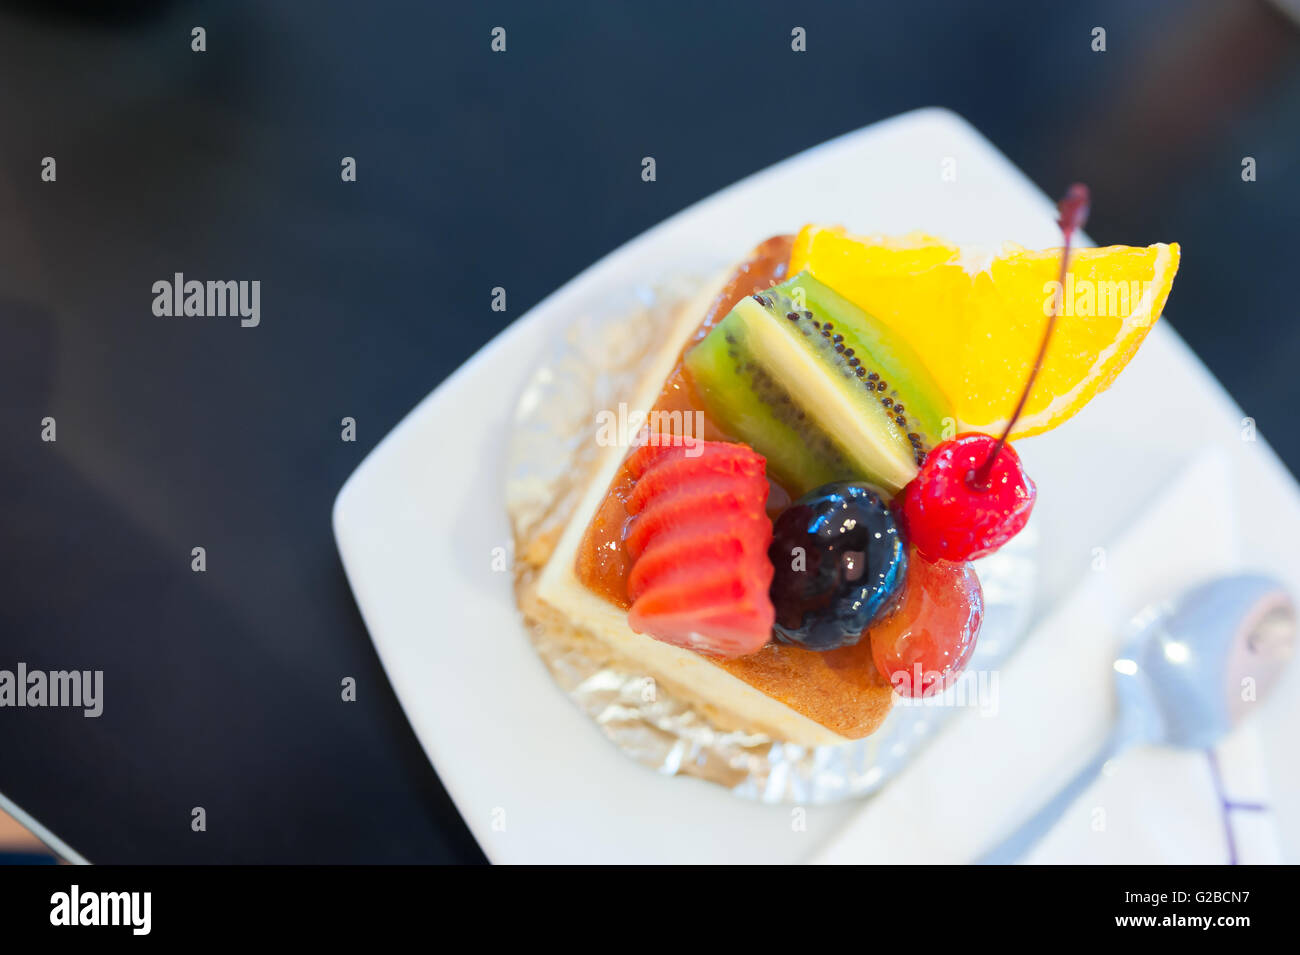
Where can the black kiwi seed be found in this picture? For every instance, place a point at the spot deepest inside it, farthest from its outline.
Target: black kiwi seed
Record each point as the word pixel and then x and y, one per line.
pixel 887 402
pixel 839 348
pixel 861 372
pixel 793 316
pixel 881 385
pixel 854 361
pixel 772 394
pixel 913 437
pixel 898 408
pixel 902 422
pixel 816 324
pixel 807 314
pixel 829 325
pixel 873 376
pixel 847 351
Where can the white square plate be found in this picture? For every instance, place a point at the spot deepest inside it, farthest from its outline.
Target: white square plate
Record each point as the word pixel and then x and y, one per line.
pixel 418 522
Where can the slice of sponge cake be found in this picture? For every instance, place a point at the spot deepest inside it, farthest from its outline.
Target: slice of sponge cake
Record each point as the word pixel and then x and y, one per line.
pixel 786 692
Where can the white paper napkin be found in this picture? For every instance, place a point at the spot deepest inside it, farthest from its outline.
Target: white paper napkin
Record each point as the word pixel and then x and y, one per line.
pixel 994 765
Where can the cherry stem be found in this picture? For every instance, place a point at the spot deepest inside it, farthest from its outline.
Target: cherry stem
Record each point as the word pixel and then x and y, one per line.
pixel 1073 213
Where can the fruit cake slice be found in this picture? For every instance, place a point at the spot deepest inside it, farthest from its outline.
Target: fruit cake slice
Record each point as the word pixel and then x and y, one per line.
pixel 785 691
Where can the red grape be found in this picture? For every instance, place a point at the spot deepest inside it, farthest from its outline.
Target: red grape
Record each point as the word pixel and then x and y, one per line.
pixel 925 643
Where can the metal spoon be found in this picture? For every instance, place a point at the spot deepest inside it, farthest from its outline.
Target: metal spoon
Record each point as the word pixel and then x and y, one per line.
pixel 1186 676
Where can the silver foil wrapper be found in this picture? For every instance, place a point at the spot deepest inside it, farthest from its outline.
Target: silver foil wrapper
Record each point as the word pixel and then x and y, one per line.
pixel 553 450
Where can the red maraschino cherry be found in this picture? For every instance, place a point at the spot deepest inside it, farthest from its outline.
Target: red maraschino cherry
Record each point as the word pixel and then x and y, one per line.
pixel 948 517
pixel 971 495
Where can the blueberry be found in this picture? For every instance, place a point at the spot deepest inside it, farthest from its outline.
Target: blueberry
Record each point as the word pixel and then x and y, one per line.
pixel 840 561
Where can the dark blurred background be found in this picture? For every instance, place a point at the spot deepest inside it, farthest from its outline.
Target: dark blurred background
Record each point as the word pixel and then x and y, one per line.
pixel 475 169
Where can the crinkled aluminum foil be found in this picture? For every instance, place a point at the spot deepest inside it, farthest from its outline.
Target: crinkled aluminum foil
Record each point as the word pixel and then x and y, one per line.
pixel 552 452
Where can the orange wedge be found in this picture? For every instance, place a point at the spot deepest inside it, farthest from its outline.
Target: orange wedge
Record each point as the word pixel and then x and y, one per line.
pixel 976 318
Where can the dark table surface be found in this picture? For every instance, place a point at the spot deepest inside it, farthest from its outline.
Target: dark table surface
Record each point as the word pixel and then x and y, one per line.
pixel 475 169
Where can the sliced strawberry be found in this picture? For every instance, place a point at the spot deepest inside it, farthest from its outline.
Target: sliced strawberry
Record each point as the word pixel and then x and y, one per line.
pixel 730 628
pixel 647 455
pixel 699 541
pixel 686 551
pixel 684 506
pixel 672 470
pixel 644 457
pixel 713 589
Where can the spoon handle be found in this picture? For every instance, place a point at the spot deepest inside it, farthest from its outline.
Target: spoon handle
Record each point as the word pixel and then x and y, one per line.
pixel 1027 834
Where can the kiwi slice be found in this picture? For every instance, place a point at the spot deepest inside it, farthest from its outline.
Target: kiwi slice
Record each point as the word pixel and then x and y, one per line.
pixel 913 393
pixel 814 384
pixel 754 406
